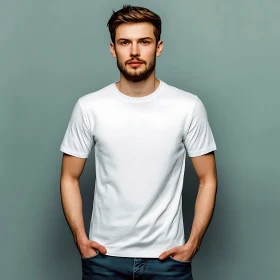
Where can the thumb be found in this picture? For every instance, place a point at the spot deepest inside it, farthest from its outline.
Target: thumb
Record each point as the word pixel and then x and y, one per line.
pixel 165 254
pixel 99 247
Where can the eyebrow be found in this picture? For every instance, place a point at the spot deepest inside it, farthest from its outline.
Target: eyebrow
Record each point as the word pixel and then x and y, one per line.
pixel 139 39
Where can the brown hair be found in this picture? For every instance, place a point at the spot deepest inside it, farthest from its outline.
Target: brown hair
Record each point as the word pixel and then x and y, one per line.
pixel 130 13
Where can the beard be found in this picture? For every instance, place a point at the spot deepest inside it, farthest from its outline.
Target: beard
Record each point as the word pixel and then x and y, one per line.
pixel 136 75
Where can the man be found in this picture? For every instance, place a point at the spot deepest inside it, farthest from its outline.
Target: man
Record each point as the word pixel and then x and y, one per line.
pixel 140 128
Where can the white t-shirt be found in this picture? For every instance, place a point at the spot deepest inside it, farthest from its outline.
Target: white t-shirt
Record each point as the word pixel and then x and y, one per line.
pixel 140 150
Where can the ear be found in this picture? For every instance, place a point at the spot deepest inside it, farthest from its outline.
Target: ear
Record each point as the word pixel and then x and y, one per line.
pixel 112 50
pixel 159 48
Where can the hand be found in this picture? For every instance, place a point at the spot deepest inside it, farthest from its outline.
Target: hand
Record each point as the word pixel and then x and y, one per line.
pixel 87 248
pixel 180 253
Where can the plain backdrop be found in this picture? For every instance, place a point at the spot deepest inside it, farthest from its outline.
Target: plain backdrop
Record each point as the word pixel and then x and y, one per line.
pixel 226 52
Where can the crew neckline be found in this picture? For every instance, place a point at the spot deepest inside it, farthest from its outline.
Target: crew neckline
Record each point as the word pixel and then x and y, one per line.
pixel 145 98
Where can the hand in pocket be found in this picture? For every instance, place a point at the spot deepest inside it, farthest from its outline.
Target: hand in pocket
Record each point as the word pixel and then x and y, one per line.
pixel 88 248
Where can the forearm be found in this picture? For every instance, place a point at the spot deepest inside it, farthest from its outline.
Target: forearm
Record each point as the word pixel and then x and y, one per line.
pixel 204 207
pixel 72 207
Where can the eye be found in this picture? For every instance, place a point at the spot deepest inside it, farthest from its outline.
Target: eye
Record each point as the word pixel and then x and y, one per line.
pixel 123 42
pixel 145 41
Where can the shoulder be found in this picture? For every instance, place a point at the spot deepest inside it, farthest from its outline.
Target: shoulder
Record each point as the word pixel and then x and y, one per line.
pixel 90 100
pixel 182 97
pixel 180 93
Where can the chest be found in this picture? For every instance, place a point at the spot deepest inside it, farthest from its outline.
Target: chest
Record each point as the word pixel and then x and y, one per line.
pixel 137 131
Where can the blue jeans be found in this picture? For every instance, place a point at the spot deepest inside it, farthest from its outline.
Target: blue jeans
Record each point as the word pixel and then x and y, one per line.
pixel 101 267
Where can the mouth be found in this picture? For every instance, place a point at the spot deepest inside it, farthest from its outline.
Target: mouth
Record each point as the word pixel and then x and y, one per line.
pixel 136 63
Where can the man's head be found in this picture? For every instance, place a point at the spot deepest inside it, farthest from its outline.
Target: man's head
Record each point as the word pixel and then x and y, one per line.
pixel 135 34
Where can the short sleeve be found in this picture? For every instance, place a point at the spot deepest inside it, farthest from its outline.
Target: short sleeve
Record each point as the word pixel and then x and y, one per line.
pixel 78 140
pixel 199 139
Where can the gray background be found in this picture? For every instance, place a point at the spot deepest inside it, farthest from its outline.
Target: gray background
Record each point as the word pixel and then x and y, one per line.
pixel 226 52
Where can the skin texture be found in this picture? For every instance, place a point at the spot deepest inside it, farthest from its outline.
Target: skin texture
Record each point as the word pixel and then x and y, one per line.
pixel 137 82
pixel 205 168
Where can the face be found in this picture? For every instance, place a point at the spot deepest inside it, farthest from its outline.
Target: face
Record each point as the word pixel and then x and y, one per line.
pixel 136 42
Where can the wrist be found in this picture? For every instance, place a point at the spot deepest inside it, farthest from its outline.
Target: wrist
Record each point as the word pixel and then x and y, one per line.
pixel 80 238
pixel 194 243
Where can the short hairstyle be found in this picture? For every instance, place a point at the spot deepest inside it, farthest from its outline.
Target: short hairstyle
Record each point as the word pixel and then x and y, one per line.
pixel 130 13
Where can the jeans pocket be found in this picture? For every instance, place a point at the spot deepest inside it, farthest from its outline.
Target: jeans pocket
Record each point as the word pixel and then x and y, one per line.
pixel 171 258
pixel 90 258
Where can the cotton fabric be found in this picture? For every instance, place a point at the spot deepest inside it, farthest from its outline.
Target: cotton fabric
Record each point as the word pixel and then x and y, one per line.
pixel 140 146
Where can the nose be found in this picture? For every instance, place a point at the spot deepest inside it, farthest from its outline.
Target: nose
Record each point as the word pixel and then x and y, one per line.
pixel 134 49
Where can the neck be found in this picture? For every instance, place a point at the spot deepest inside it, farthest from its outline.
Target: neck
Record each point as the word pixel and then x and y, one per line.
pixel 137 89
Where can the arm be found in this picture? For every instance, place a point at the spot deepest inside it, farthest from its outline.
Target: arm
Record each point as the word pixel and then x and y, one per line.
pixel 71 170
pixel 71 200
pixel 200 144
pixel 205 168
